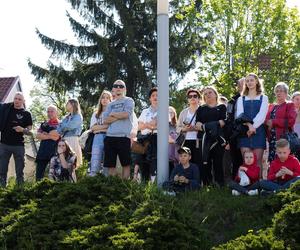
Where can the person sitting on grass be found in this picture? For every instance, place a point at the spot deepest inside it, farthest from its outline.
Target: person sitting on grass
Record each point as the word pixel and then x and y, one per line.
pixel 63 164
pixel 284 170
pixel 185 176
pixel 248 176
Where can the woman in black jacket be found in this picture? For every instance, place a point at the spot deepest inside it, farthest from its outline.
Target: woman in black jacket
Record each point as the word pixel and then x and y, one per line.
pixel 210 119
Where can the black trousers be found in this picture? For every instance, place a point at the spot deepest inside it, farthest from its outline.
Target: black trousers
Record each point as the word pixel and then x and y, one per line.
pixel 196 152
pixel 213 170
pixel 40 168
pixel 236 158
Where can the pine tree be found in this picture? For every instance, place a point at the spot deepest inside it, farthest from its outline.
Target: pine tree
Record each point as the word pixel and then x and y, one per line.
pixel 117 41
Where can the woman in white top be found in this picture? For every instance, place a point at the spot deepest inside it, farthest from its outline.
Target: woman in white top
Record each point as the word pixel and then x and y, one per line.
pixel 99 129
pixel 148 126
pixel 254 104
pixel 186 123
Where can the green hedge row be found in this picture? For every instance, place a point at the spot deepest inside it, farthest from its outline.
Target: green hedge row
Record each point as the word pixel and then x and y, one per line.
pixel 284 233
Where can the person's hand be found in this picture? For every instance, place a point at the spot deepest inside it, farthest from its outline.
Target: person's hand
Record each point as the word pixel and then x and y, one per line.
pixel 181 179
pixel 269 124
pixel 18 129
pixel 198 126
pixel 280 173
pixel 285 170
pixel 227 147
pixel 243 168
pixel 176 178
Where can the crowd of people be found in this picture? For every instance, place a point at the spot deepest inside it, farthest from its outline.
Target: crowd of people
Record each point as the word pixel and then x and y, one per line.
pixel 244 126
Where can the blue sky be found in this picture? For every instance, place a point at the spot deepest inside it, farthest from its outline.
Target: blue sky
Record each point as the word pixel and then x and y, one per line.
pixel 18 40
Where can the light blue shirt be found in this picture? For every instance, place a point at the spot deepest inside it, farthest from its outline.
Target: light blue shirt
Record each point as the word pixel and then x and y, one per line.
pixel 71 125
pixel 123 127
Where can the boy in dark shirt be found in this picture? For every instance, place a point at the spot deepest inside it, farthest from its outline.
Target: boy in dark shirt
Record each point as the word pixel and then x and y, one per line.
pixel 185 176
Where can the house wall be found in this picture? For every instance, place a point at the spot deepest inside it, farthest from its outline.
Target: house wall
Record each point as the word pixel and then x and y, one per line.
pixel 11 95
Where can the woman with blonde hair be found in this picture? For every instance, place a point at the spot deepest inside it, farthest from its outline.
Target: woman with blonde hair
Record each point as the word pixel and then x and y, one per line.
pixel 71 126
pixel 211 116
pixel 254 104
pixel 99 129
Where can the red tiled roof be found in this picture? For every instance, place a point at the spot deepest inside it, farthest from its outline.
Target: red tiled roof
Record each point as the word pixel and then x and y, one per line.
pixel 6 84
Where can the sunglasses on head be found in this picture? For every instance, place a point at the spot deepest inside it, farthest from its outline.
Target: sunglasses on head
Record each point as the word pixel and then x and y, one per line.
pixel 118 86
pixel 192 96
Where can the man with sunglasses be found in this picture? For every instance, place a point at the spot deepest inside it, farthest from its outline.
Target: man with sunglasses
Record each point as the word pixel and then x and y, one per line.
pixel 119 116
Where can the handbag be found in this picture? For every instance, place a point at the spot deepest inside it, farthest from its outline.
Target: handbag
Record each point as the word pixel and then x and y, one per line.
pixel 291 137
pixel 180 139
pixel 140 146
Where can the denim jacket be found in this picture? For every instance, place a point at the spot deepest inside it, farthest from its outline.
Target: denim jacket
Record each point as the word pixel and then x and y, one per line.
pixel 71 125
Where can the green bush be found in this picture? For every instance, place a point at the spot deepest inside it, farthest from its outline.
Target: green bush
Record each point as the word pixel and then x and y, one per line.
pixel 284 233
pixel 99 212
pixel 286 225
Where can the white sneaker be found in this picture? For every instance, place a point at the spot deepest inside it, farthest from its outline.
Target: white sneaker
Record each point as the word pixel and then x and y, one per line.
pixel 171 193
pixel 235 192
pixel 253 192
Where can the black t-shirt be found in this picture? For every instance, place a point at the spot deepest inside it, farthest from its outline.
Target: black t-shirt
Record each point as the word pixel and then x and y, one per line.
pixel 16 117
pixel 206 113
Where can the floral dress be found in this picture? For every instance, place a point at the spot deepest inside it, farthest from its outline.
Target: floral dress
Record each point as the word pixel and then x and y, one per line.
pixel 272 142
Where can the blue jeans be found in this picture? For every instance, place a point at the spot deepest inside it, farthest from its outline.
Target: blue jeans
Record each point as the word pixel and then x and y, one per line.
pixel 274 186
pixel 97 153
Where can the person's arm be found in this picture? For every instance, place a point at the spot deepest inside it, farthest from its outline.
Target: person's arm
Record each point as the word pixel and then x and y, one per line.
pixel 107 118
pixel 261 115
pixel 195 180
pixel 73 123
pixel 198 125
pixel 296 168
pixel 180 125
pixel 239 107
pixel 272 172
pixel 174 173
pixel 99 128
pixel 93 120
pixel 290 114
pixel 223 115
pixel 128 109
pixel 70 164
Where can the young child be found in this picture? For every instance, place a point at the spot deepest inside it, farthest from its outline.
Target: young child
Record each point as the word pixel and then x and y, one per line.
pixel 247 177
pixel 185 176
pixel 284 170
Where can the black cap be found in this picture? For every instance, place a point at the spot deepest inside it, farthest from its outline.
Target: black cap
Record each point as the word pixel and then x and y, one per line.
pixel 183 150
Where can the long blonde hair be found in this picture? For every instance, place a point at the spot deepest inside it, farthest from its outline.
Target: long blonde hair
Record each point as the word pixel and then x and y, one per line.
pixel 214 90
pixel 75 105
pixel 259 85
pixel 100 106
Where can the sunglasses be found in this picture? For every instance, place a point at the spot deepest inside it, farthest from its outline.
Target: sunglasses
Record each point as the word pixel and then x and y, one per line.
pixel 192 96
pixel 118 86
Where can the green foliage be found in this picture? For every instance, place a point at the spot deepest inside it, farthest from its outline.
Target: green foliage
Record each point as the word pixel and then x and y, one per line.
pixel 109 213
pixel 43 96
pixel 99 212
pixel 116 40
pixel 284 233
pixel 240 33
